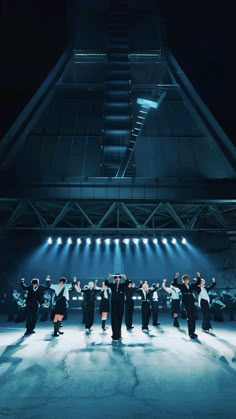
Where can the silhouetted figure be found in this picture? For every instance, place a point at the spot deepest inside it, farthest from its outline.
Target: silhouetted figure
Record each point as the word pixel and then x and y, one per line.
pixel 187 290
pixel 104 306
pixel 33 300
pixel 129 305
pixel 155 305
pixel 117 303
pixel 90 294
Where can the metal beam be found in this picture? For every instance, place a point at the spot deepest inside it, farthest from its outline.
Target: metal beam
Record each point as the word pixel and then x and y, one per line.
pixel 216 213
pixel 61 214
pixel 18 211
pixel 41 219
pixel 84 214
pixel 174 215
pixel 109 211
pixel 152 214
pixel 193 221
pixel 131 216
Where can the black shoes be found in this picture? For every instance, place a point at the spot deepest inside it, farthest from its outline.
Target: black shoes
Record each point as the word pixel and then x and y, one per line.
pixel 29 332
pixel 193 336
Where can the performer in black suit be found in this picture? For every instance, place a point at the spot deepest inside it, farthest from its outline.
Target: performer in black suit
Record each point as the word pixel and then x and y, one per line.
pixel 33 300
pixel 187 290
pixel 117 303
pixel 146 294
pixel 104 307
pixel 90 295
pixel 129 305
pixel 155 305
pixel 204 300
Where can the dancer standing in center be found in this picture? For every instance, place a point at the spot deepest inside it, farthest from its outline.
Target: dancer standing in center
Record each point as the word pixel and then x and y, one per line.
pixel 175 294
pixel 187 290
pixel 117 303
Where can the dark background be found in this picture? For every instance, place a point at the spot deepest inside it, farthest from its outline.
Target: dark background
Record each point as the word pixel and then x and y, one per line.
pixel 200 33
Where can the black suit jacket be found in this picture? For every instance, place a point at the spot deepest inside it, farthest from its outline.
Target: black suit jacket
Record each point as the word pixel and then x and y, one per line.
pixel 34 296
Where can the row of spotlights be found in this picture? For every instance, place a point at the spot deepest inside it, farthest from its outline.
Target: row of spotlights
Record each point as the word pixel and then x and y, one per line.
pixel 126 241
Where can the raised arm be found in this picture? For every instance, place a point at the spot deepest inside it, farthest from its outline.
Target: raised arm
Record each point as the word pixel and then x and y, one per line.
pixel 22 284
pixel 175 281
pixel 210 287
pixel 109 276
pixel 164 286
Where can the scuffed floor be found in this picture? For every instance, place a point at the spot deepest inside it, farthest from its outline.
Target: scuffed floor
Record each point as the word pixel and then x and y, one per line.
pixel 162 374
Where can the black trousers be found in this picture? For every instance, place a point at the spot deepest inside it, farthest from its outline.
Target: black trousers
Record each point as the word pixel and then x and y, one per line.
pixel 117 312
pixel 31 316
pixel 129 311
pixel 146 312
pixel 89 315
pixel 206 324
pixel 155 310
pixel 191 319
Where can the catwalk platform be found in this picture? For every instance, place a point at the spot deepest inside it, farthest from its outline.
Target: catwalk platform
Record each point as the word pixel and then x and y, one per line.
pixel 160 374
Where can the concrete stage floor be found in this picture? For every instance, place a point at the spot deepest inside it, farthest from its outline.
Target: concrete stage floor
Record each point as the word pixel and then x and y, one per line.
pixel 162 374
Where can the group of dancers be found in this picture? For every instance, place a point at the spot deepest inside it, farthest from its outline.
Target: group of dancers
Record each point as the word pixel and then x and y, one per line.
pixel 116 295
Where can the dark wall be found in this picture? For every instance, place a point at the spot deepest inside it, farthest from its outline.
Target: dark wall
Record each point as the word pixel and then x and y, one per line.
pixel 201 35
pixel 32 36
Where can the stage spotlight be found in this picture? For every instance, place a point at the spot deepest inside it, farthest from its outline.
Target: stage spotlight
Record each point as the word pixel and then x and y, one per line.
pixel 126 241
pixel 98 241
pixel 69 241
pixel 155 241
pixel 173 240
pixel 107 241
pixel 79 241
pixel 117 241
pixel 145 241
pixel 183 241
pixel 88 240
pixel 59 240
pixel 49 240
pixel 135 241
pixel 164 240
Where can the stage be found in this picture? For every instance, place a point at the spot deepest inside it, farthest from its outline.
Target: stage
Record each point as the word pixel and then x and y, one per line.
pixel 160 374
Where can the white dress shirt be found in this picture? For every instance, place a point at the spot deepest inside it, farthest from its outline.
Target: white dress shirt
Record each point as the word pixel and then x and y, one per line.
pixel 203 295
pixel 58 288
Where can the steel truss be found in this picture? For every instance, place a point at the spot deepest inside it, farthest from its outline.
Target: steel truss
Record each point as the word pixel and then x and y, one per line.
pixel 137 217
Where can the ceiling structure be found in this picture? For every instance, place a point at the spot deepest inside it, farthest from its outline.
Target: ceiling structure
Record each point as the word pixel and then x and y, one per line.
pixel 117 140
